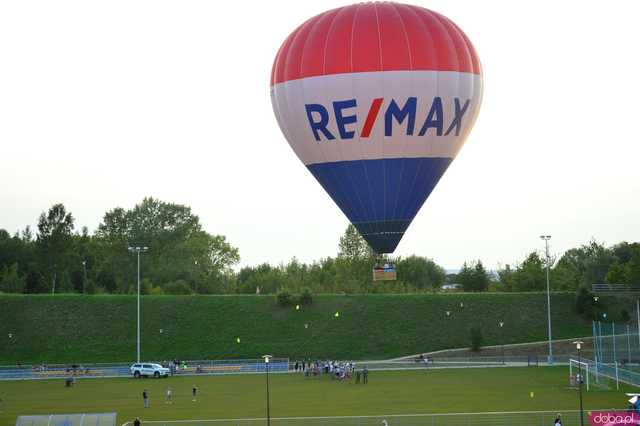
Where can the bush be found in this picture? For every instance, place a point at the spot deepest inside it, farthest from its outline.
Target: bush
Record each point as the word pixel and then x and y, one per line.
pixel 624 315
pixel 284 298
pixel 306 298
pixel 156 291
pixel 475 333
pixel 178 287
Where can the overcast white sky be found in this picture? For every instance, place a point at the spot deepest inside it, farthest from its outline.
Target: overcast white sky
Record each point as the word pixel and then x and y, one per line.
pixel 104 103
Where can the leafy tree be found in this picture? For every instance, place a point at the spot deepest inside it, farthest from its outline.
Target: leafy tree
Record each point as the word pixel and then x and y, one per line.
pixel 420 273
pixel 179 249
pixel 506 277
pixel 54 241
pixel 633 272
pixel 530 274
pixel 11 281
pixel 353 247
pixel 473 277
pixel 617 273
pixel 586 305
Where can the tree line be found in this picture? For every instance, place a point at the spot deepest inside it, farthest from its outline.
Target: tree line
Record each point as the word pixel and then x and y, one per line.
pixel 185 259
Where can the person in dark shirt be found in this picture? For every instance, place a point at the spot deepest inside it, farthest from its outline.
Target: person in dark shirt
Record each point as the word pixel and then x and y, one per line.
pixel 145 398
pixel 194 392
pixel 557 421
pixel 365 375
pixel 136 422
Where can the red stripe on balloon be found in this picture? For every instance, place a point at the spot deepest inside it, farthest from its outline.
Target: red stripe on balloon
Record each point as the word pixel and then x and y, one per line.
pixel 371 117
pixel 371 37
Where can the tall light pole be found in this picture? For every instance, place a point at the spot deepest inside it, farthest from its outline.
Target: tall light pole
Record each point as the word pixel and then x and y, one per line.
pixel 501 324
pixel 546 239
pixel 266 363
pixel 138 250
pixel 84 276
pixel 578 344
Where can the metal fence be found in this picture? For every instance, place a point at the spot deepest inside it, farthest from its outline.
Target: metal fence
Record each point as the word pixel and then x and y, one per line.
pixel 201 367
pixel 616 351
pixel 513 418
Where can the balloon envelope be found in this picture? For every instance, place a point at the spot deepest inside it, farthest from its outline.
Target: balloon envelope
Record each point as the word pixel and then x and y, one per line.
pixel 376 99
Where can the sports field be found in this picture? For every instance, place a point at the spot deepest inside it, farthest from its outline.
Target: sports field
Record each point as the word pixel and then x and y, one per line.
pixel 292 395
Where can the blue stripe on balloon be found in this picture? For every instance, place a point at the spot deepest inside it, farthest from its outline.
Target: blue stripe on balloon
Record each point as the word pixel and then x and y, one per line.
pixel 381 197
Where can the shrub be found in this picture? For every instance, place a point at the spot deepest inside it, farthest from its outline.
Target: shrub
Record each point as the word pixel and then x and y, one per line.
pixel 475 334
pixel 156 291
pixel 178 287
pixel 284 298
pixel 624 315
pixel 306 297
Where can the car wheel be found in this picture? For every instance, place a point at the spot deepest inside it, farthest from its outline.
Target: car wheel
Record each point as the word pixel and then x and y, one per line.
pixel 156 374
pixel 136 374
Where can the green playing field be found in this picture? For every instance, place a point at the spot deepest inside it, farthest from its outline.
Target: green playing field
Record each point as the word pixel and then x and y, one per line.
pixel 243 396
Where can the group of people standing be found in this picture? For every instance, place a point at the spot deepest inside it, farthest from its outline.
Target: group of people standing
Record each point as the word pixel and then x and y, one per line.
pixel 168 396
pixel 340 370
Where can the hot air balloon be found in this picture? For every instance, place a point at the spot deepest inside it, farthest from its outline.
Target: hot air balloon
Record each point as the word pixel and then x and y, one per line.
pixel 376 99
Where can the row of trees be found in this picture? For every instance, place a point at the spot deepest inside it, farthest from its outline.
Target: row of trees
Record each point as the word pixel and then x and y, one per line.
pixel 185 259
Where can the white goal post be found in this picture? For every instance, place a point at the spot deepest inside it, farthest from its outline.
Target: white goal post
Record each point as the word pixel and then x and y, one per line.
pixel 580 371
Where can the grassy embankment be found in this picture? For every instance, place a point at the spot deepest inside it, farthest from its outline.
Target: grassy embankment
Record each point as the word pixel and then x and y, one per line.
pixel 66 328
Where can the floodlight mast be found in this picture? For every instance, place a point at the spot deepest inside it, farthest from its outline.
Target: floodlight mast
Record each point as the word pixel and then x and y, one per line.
pixel 267 358
pixel 578 344
pixel 546 239
pixel 137 250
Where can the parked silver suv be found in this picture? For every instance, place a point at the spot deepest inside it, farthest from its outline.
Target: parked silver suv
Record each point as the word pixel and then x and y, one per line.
pixel 148 370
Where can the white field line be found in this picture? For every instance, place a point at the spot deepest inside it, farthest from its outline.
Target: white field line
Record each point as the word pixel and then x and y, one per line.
pixel 486 413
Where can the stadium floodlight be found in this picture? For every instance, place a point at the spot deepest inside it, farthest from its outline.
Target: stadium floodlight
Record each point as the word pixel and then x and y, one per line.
pixel 578 344
pixel 546 239
pixel 84 277
pixel 501 324
pixel 266 363
pixel 138 250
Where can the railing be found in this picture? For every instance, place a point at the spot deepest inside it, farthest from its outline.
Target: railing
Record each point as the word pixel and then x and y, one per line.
pixel 201 367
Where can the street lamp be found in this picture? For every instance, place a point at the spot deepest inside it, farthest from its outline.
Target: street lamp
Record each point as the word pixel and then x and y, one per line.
pixel 84 276
pixel 578 344
pixel 546 239
pixel 138 250
pixel 501 324
pixel 266 362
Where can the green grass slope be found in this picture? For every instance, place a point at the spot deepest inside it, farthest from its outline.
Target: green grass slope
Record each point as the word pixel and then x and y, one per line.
pixel 70 328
